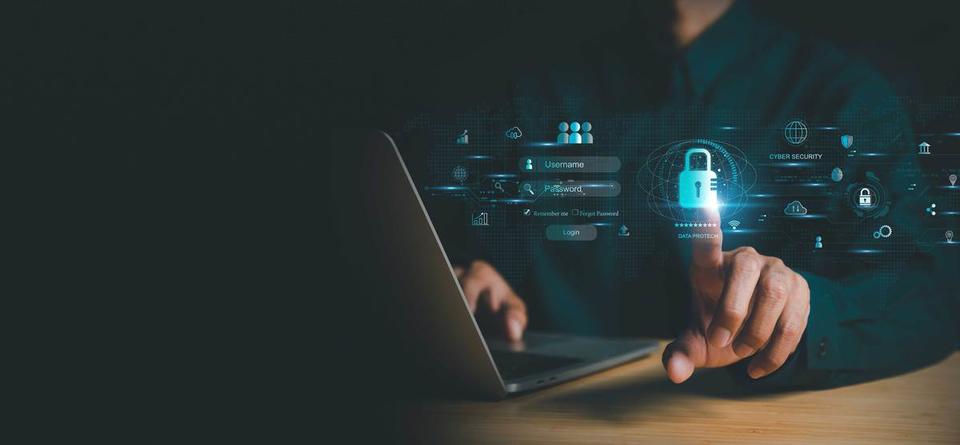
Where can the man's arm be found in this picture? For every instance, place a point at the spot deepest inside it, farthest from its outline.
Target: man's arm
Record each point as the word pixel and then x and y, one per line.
pixel 861 328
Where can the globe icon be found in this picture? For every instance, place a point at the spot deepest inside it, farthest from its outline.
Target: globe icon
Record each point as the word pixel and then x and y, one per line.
pixel 795 132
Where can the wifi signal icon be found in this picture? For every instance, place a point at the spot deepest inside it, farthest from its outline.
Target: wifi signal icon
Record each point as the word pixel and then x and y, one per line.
pixel 733 224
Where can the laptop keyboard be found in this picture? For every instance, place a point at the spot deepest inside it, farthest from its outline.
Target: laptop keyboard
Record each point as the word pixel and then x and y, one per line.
pixel 514 365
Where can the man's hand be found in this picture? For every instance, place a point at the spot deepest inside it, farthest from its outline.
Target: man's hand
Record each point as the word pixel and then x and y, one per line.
pixel 745 304
pixel 485 288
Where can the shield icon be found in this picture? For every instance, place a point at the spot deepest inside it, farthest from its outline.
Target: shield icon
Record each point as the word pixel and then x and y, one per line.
pixel 846 140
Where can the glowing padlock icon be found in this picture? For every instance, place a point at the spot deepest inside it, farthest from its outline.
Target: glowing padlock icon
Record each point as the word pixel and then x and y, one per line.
pixel 697 188
pixel 866 198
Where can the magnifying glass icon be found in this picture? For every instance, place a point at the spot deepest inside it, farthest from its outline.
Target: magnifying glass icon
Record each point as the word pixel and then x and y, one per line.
pixel 498 186
pixel 528 188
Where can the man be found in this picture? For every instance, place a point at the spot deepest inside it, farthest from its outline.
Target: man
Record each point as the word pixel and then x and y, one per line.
pixel 824 326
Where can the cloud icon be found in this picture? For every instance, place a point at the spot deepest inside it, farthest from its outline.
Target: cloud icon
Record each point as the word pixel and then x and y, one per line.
pixel 795 208
pixel 514 133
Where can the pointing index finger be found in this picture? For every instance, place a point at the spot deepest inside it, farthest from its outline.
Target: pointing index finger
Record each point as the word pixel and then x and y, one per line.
pixel 708 240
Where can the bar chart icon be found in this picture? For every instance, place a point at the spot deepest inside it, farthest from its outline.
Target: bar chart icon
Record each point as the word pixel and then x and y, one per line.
pixel 480 219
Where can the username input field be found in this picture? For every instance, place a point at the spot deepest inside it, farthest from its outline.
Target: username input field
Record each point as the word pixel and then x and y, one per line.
pixel 570 164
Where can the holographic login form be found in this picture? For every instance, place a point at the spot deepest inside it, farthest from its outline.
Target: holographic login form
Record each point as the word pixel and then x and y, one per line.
pixel 813 192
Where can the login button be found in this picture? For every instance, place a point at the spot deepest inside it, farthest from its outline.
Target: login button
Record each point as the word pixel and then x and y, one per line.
pixel 571 232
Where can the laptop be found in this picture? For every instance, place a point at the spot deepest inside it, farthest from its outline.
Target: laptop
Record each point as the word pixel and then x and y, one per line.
pixel 432 313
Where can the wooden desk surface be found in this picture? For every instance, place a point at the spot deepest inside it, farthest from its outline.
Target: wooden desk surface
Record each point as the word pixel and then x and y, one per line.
pixel 635 403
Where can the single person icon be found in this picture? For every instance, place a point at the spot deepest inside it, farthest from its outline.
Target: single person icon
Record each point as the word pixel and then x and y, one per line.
pixel 528 165
pixel 575 137
pixel 563 137
pixel 587 137
pixel 818 244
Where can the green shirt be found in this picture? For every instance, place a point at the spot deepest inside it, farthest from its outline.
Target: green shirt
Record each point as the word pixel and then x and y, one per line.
pixel 868 318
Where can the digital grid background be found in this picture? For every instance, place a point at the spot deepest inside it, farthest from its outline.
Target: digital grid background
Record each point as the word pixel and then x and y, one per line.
pixel 511 238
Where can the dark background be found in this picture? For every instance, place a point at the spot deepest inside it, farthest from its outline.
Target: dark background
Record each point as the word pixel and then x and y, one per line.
pixel 179 215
